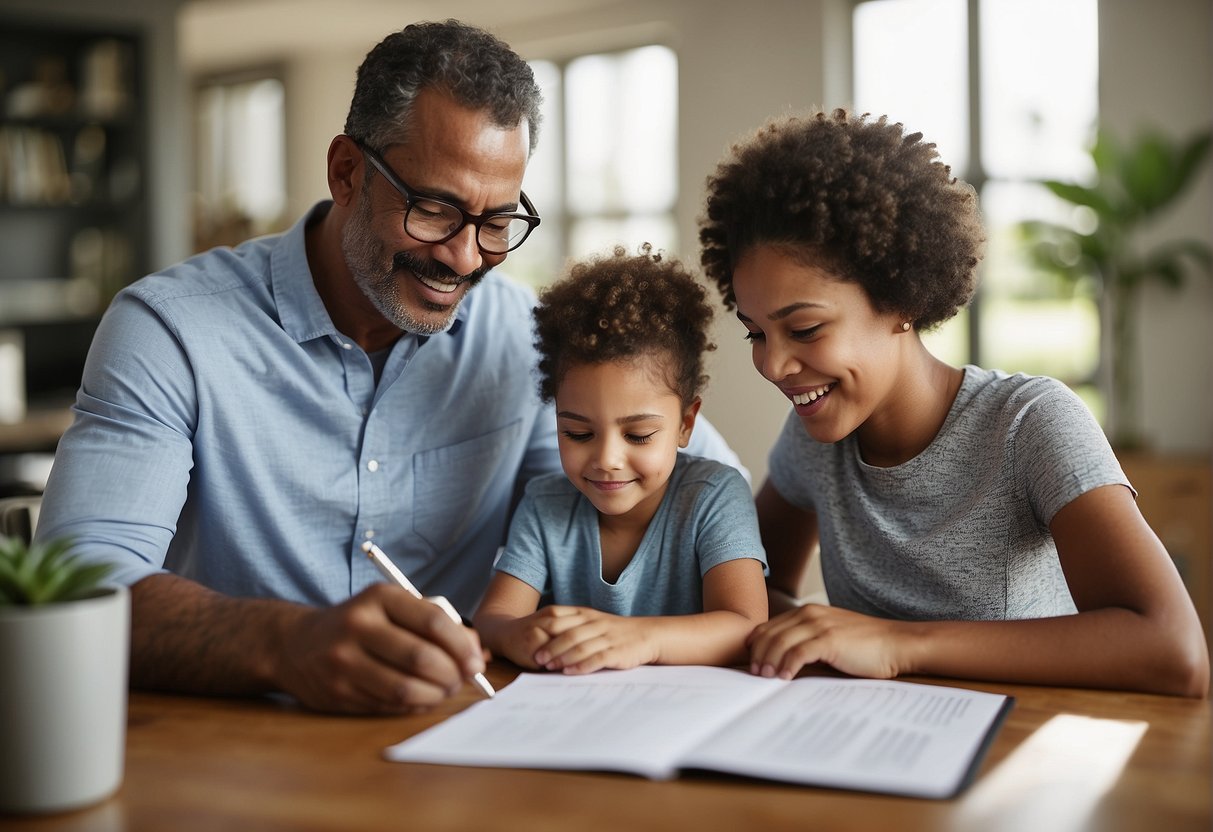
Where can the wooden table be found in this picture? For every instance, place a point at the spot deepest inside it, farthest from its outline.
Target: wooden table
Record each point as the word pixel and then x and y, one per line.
pixel 1065 759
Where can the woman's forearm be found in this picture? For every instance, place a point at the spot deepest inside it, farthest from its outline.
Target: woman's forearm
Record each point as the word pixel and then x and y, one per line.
pixel 1105 648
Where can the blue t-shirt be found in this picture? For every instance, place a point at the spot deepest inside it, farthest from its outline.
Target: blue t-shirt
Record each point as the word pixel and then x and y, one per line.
pixel 227 431
pixel 706 517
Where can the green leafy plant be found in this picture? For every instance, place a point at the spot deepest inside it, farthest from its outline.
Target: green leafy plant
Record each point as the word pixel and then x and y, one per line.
pixel 1135 184
pixel 46 573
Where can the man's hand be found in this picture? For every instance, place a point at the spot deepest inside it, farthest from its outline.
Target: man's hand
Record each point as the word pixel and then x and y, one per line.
pixel 382 651
pixel 856 644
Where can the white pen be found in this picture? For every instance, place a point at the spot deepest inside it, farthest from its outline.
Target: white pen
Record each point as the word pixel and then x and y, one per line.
pixel 393 574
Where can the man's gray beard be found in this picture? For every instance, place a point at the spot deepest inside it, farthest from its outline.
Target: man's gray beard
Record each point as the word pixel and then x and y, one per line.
pixel 362 251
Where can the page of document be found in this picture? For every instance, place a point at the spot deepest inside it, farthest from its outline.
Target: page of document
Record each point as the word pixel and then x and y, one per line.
pixel 639 721
pixel 885 736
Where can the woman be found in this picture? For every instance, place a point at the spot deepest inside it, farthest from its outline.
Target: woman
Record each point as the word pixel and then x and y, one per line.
pixel 971 523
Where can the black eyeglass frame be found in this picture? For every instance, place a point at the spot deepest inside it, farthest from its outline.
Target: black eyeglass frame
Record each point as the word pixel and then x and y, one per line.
pixel 411 197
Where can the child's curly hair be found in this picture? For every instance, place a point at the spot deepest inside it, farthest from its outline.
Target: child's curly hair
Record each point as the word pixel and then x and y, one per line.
pixel 621 307
pixel 862 199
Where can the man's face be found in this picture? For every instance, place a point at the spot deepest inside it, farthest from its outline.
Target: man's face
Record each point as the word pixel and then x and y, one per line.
pixel 452 153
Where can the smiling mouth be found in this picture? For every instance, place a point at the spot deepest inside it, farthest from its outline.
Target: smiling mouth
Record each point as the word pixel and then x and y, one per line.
pixel 609 485
pixel 439 285
pixel 813 395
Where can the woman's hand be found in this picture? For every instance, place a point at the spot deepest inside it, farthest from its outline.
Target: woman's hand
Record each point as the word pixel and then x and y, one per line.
pixel 856 644
pixel 582 640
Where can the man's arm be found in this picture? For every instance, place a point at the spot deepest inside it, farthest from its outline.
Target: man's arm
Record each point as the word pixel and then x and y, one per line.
pixel 118 486
pixel 382 651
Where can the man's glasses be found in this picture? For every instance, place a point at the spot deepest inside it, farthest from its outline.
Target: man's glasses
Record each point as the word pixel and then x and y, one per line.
pixel 432 220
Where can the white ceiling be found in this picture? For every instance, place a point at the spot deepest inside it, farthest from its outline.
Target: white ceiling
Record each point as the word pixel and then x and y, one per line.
pixel 223 33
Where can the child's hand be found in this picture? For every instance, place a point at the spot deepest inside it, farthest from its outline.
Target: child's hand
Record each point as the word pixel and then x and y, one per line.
pixel 519 638
pixel 856 644
pixel 583 640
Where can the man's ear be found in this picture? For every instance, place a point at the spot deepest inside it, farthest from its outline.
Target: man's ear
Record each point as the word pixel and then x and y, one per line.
pixel 345 176
pixel 688 422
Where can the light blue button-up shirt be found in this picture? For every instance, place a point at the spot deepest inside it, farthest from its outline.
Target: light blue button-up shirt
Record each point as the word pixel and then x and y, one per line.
pixel 227 432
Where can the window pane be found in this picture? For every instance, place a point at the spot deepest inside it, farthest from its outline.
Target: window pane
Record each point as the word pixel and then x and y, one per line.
pixel 911 64
pixel 950 341
pixel 1031 323
pixel 622 112
pixel 1039 87
pixel 538 260
pixel 599 235
pixel 241 172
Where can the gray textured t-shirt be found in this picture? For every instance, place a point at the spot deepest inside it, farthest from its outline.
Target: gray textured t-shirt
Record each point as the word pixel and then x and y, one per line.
pixel 960 531
pixel 706 517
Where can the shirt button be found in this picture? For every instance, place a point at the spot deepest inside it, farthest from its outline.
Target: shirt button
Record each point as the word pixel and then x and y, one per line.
pixel 368 534
pixel 347 346
pixel 373 465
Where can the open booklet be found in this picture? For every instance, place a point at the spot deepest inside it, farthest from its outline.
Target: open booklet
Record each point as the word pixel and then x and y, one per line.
pixel 881 736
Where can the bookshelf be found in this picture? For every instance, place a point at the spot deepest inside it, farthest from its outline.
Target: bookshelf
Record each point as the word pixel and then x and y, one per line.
pixel 73 206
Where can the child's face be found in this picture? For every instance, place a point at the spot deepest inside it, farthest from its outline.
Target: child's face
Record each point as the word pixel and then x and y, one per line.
pixel 819 340
pixel 620 427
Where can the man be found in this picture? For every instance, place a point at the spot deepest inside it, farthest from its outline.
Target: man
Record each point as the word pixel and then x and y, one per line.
pixel 249 417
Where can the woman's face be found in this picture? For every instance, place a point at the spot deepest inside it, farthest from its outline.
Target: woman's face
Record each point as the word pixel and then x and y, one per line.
pixel 819 340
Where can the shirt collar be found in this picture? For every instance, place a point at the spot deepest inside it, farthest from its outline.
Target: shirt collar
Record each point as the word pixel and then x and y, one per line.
pixel 300 309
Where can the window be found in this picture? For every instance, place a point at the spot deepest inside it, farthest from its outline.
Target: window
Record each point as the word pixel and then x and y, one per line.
pixel 241 173
pixel 1007 89
pixel 605 171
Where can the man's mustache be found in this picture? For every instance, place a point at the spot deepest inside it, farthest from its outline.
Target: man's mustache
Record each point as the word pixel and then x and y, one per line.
pixel 433 269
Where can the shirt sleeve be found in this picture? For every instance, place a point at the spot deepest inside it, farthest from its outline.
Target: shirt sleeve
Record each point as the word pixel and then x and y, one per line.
pixel 542 451
pixel 121 470
pixel 1061 452
pixel 525 554
pixel 707 442
pixel 728 523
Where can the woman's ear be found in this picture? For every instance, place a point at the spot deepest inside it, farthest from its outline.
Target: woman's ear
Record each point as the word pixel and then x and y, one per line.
pixel 345 162
pixel 688 422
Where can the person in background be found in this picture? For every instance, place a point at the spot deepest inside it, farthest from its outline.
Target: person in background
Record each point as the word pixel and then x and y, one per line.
pixel 972 523
pixel 248 418
pixel 641 554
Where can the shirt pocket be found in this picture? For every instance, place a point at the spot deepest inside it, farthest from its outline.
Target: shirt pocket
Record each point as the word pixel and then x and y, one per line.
pixel 452 483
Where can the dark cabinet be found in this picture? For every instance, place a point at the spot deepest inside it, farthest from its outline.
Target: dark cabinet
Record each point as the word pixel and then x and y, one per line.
pixel 73 207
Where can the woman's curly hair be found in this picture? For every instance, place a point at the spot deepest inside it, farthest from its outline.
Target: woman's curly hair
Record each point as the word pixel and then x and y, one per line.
pixel 621 307
pixel 862 199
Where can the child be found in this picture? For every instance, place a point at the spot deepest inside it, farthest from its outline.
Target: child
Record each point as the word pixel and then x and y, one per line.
pixel 649 556
pixel 971 523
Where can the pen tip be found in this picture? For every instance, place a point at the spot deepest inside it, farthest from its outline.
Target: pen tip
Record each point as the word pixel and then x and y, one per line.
pixel 366 546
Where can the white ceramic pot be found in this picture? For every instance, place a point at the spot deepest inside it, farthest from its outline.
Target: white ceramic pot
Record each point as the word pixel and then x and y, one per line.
pixel 63 683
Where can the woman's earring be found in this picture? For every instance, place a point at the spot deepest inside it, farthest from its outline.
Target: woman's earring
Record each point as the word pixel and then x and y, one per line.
pixel 905 326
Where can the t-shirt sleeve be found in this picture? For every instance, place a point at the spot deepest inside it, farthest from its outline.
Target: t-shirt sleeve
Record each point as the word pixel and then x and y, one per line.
pixel 525 555
pixel 728 522
pixel 1061 452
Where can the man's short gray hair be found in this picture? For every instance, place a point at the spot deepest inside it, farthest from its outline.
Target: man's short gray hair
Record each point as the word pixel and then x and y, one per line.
pixel 476 68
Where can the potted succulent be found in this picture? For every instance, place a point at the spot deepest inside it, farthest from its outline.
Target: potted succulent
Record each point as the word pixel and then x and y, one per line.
pixel 64 647
pixel 1135 184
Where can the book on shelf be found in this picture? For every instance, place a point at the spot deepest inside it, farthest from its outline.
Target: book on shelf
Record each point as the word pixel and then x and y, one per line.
pixel 893 737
